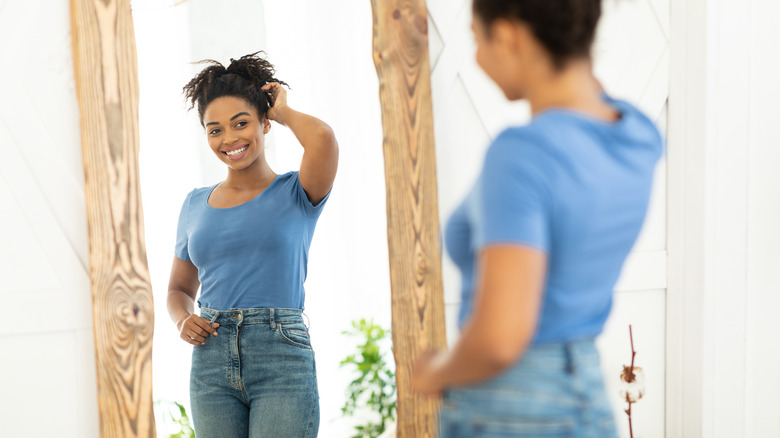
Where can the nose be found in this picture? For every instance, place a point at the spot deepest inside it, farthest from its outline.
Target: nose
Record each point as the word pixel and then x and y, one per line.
pixel 229 138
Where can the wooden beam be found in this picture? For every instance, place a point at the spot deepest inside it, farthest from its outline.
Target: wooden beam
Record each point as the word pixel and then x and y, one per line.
pixel 104 59
pixel 403 67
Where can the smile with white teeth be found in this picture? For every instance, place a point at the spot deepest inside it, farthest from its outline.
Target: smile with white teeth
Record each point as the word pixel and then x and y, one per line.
pixel 236 152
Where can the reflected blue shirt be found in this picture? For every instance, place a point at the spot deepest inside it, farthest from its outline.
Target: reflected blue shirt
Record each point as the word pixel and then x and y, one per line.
pixel 574 187
pixel 254 254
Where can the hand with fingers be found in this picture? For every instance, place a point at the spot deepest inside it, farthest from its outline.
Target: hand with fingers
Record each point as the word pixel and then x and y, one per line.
pixel 278 96
pixel 194 329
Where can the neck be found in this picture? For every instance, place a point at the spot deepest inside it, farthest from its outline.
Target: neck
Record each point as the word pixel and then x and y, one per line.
pixel 257 174
pixel 573 88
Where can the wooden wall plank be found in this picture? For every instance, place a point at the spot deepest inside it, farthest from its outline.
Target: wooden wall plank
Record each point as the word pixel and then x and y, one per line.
pixel 402 64
pixel 107 88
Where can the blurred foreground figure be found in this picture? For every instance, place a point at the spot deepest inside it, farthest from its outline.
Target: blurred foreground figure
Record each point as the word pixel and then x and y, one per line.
pixel 541 238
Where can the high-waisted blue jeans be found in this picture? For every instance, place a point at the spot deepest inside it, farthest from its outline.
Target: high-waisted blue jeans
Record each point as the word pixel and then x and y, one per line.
pixel 555 390
pixel 256 378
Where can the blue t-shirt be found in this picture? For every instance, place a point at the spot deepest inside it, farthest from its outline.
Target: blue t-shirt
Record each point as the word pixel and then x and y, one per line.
pixel 574 187
pixel 254 254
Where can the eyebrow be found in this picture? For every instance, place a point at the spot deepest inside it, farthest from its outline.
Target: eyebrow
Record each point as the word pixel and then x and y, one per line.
pixel 231 119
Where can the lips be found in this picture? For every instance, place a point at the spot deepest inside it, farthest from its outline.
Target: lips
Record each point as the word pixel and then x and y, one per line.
pixel 235 153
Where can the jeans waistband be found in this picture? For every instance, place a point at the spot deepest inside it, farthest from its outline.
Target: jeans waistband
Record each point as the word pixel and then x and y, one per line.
pixel 258 315
pixel 563 355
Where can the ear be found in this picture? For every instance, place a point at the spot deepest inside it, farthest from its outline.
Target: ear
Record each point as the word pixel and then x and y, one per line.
pixel 266 125
pixel 506 34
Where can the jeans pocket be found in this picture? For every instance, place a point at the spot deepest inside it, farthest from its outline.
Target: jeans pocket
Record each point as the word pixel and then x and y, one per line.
pixel 295 334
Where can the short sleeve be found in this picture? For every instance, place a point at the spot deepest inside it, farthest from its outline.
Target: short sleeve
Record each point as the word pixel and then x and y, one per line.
pixel 303 199
pixel 182 239
pixel 513 197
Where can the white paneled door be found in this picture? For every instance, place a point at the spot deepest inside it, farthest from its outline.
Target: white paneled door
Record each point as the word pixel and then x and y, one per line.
pixel 632 61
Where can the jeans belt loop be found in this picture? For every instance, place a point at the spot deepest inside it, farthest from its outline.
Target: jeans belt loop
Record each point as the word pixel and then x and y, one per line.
pixel 567 348
pixel 271 318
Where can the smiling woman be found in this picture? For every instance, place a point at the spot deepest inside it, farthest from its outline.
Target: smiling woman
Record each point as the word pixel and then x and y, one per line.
pixel 245 243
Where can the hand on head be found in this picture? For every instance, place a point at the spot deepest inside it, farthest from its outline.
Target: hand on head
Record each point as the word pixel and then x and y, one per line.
pixel 278 97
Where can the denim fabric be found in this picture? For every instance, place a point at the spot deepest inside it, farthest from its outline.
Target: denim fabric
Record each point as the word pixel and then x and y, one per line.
pixel 556 390
pixel 256 378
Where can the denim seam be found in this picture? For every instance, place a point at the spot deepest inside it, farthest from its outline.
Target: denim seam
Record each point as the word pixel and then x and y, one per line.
pixel 314 406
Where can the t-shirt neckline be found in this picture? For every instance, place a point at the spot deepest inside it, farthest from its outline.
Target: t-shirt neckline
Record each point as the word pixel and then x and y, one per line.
pixel 208 195
pixel 616 105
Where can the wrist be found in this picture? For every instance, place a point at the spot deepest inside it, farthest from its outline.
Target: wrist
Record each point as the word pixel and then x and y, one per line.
pixel 281 113
pixel 180 320
pixel 439 372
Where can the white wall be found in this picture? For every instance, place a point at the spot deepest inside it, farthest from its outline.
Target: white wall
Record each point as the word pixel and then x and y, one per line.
pixel 47 358
pixel 762 255
pixel 724 288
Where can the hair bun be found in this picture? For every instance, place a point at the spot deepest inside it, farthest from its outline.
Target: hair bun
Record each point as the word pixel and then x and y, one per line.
pixel 254 68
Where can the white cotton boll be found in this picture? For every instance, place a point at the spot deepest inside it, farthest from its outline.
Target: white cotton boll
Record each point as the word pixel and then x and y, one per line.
pixel 632 388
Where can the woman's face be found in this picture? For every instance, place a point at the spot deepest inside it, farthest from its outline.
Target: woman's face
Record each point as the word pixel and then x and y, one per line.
pixel 235 132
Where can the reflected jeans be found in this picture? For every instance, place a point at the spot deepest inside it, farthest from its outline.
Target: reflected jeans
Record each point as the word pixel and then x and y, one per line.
pixel 256 378
pixel 555 390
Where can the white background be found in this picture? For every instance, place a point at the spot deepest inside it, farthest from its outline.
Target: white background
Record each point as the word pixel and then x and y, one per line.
pixel 723 207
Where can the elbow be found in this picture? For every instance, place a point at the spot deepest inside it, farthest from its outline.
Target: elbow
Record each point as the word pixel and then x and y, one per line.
pixel 504 357
pixel 503 353
pixel 499 344
pixel 327 137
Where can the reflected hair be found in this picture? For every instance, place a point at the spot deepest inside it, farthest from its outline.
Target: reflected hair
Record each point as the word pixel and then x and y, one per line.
pixel 243 78
pixel 566 28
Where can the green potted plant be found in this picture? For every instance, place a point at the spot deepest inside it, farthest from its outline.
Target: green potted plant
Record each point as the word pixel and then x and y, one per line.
pixel 173 419
pixel 373 387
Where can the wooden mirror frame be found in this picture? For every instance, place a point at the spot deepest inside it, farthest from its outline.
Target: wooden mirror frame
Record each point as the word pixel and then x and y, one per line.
pixel 403 66
pixel 104 59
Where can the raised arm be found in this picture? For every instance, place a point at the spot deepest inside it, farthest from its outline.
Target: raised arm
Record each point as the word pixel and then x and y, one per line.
pixel 320 149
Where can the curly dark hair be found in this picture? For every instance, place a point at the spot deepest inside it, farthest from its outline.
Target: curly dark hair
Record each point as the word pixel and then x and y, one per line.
pixel 243 78
pixel 566 28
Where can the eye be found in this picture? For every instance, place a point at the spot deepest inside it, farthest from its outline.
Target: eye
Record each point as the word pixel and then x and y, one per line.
pixel 214 131
pixel 241 124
